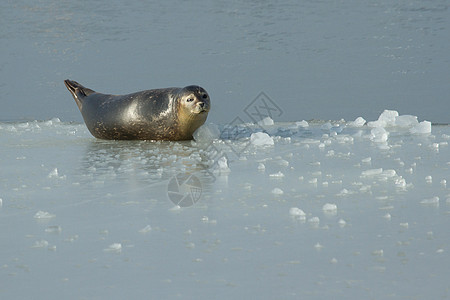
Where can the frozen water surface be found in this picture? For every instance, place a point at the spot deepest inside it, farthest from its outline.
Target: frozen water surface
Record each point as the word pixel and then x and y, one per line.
pixel 351 217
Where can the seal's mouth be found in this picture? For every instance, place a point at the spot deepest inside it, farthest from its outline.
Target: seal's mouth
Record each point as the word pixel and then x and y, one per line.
pixel 202 108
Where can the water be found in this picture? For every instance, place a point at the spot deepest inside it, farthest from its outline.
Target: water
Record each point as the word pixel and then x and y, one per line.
pixel 86 218
pixel 316 59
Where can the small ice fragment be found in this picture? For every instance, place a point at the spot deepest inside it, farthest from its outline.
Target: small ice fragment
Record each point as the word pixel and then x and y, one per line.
pixel 342 223
pixel 343 192
pixel 313 181
pixel 327 126
pixel 404 225
pixel 314 220
pixel 222 166
pixel 429 179
pixel 318 246
pixel 379 135
pixel 329 208
pixel 406 121
pixel 359 122
pixel 277 191
pixel 43 215
pixel 443 183
pixel 283 162
pixel 261 139
pixel 400 182
pixel 297 213
pixel 387 216
pixel 389 173
pixel 53 229
pixel 261 167
pixel 430 201
pixel 366 160
pixel 277 175
pixel 421 128
pixel 116 248
pixel 334 261
pixel 206 133
pixel 175 208
pixel 378 252
pixel 371 172
pixel 1 202
pixel 40 244
pixel 145 229
pixel 267 121
pixel 53 173
pixel 302 123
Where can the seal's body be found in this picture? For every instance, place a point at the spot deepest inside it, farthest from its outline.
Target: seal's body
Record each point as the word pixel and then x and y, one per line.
pixel 161 114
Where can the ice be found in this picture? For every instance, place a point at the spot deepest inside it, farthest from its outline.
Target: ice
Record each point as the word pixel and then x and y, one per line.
pixel 371 172
pixel 267 121
pixel 387 118
pixel 423 127
pixel 314 221
pixel 297 213
pixel 430 201
pixel 302 123
pixel 359 122
pixel 379 135
pixel 40 244
pixel 207 133
pixel 114 248
pixel 261 139
pixel 277 175
pixel 222 166
pixel 277 191
pixel 43 215
pixel 146 229
pixel 53 229
pixel 329 208
pixel 367 199
pixel 54 174
pixel 327 126
pixel 406 121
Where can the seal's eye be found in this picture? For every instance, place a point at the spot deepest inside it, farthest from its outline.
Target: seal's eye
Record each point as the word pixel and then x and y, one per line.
pixel 190 99
pixel 205 96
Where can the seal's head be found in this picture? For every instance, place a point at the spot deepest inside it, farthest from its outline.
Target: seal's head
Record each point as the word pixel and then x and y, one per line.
pixel 194 100
pixel 193 107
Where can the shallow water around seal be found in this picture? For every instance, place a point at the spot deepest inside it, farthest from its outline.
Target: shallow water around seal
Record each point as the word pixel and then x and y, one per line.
pixel 323 211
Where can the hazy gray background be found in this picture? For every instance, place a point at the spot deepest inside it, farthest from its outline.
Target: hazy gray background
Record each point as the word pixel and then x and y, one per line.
pixel 315 59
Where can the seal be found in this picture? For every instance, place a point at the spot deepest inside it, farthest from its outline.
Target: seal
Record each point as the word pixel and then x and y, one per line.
pixel 160 114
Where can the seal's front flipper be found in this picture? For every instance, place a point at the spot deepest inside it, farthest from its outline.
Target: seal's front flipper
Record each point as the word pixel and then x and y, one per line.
pixel 78 91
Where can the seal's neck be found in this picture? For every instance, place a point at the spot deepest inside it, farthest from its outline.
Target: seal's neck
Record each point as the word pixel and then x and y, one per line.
pixel 188 123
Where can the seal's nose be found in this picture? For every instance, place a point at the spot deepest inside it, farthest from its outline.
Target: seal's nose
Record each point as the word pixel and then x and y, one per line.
pixel 202 104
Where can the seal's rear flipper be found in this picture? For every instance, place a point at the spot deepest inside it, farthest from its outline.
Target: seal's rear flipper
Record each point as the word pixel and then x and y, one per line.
pixel 78 91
